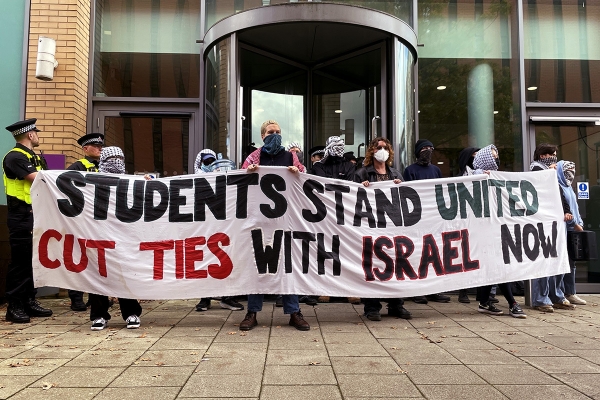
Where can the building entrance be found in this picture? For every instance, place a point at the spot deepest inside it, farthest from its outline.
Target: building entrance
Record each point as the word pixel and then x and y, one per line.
pixel 338 75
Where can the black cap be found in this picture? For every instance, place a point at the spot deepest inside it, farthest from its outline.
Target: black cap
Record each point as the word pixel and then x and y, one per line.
pixel 349 156
pixel 316 150
pixel 21 127
pixel 420 144
pixel 91 138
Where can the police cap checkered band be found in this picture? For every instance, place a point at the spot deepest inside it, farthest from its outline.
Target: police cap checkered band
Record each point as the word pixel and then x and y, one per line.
pixel 91 138
pixel 21 127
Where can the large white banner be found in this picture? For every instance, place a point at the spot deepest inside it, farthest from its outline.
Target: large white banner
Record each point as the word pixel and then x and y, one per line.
pixel 274 231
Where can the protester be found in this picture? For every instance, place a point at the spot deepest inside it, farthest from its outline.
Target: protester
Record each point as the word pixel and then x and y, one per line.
pixel 272 153
pixel 546 291
pixel 486 160
pixel 378 168
pixel 465 161
pixel 91 144
pixel 112 161
pixel 20 167
pixel 423 169
pixel 565 172
pixel 335 165
pixel 296 148
pixel 205 161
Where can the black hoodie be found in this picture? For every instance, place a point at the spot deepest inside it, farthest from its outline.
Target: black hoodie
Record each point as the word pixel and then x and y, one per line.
pixel 465 159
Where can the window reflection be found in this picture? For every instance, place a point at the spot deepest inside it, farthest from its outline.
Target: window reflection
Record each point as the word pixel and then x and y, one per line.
pixel 562 56
pixel 468 86
pixel 217 128
pixel 147 48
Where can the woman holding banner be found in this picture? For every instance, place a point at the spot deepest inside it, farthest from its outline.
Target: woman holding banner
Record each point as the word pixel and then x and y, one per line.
pixel 377 168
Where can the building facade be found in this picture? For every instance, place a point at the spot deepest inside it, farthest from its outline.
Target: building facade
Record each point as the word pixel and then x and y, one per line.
pixel 165 78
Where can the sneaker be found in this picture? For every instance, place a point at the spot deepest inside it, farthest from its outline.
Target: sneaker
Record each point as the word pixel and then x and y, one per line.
pixel 493 299
pixel 133 322
pixel 203 305
pixel 399 311
pixel 565 305
pixel 373 315
pixel 308 300
pixel 439 298
pixel 516 311
pixel 231 304
pixel 547 308
pixel 489 308
pixel 99 324
pixel 574 299
pixel 279 301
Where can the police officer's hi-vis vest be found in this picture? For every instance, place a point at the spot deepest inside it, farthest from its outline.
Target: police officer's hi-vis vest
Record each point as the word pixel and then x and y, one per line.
pixel 89 166
pixel 21 188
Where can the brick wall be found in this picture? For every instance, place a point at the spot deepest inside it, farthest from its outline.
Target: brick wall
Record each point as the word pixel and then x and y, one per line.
pixel 60 105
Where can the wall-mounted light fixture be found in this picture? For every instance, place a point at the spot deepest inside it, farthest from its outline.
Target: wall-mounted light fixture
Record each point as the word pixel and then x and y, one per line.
pixel 46 63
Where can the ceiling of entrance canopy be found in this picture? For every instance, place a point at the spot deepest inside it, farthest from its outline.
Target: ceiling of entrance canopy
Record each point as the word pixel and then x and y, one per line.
pixel 311 42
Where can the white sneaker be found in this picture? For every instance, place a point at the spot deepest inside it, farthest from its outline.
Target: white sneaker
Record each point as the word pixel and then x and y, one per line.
pixel 574 299
pixel 99 324
pixel 133 322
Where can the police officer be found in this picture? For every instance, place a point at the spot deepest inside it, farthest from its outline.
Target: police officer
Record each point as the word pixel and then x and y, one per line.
pixel 92 147
pixel 20 166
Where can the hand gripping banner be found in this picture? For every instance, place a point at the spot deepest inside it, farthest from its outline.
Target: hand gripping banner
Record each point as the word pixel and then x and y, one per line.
pixel 274 231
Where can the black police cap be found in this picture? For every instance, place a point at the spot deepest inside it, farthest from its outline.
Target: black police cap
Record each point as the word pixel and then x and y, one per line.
pixel 21 127
pixel 91 138
pixel 317 150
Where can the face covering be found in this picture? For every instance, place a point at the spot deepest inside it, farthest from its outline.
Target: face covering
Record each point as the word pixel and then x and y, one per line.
pixel 425 157
pixel 206 168
pixel 300 156
pixel 569 171
pixel 548 161
pixel 112 166
pixel 569 177
pixel 382 155
pixel 272 144
pixel 497 160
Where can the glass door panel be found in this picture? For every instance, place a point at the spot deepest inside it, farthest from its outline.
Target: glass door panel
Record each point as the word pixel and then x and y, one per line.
pixel 580 144
pixel 151 144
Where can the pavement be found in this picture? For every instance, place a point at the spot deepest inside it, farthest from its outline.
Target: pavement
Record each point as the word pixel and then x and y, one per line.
pixel 447 351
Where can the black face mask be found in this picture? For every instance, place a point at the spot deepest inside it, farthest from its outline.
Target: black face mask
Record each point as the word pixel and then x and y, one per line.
pixel 300 156
pixel 497 162
pixel 425 157
pixel 470 162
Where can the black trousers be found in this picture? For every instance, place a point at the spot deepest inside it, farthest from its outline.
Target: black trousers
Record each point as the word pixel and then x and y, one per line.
pixel 19 277
pixel 75 295
pixel 483 293
pixel 99 307
pixel 375 304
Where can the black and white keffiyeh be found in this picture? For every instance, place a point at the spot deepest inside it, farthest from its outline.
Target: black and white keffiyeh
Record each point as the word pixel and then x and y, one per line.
pixel 112 160
pixel 334 146
pixel 199 167
pixel 484 160
pixel 293 145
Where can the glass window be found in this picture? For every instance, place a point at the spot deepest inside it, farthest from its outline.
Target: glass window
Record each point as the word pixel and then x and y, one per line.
pixel 147 48
pixel 286 109
pixel 150 144
pixel 562 55
pixel 217 127
pixel 218 9
pixel 468 80
pixel 404 113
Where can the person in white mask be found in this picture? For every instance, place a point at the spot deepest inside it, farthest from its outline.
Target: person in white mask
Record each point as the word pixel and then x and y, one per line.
pixel 378 167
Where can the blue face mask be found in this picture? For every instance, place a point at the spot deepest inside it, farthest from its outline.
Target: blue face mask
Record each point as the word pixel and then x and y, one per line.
pixel 272 144
pixel 206 168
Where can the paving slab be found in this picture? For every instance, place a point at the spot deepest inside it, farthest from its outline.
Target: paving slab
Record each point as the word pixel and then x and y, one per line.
pixel 298 357
pixel 536 392
pixel 446 392
pixel 10 385
pixel 77 377
pixel 301 392
pixel 588 384
pixel 213 386
pixel 299 375
pixel 56 393
pixel 442 375
pixel 154 393
pixel 366 385
pixel 557 365
pixel 358 365
pixel 513 374
pixel 139 376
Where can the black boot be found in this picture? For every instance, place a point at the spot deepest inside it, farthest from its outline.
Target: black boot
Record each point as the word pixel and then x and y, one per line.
pixel 35 309
pixel 16 313
pixel 77 304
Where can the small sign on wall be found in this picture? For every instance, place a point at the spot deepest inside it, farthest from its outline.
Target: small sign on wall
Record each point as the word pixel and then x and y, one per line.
pixel 583 191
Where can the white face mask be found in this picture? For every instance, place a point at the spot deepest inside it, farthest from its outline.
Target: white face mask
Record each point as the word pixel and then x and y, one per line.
pixel 382 155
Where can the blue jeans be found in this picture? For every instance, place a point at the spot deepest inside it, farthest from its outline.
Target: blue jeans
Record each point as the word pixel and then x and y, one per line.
pixel 290 303
pixel 547 290
pixel 569 280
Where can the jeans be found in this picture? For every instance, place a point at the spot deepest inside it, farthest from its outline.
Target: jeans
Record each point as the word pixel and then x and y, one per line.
pixel 547 290
pixel 569 280
pixel 290 303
